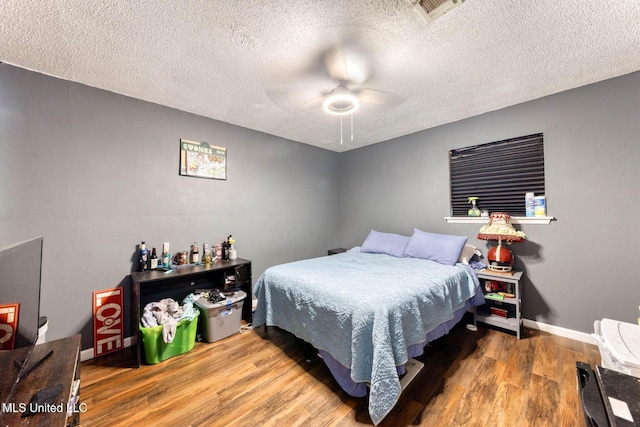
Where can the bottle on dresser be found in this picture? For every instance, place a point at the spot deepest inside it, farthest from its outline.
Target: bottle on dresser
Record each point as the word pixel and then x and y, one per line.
pixel 206 254
pixel 195 255
pixel 166 256
pixel 153 262
pixel 225 253
pixel 143 258
pixel 233 254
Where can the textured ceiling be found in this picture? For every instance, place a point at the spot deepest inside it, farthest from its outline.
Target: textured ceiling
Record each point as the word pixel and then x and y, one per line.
pixel 258 64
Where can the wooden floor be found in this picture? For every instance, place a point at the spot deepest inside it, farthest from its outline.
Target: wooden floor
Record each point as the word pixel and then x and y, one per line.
pixel 260 378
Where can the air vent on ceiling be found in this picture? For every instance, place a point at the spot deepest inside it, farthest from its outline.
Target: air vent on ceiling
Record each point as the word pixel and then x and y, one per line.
pixel 433 9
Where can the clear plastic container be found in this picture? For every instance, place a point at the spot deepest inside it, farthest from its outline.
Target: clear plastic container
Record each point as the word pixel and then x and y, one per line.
pixel 220 319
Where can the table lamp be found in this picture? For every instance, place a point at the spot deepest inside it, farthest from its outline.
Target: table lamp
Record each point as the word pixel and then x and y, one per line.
pixel 499 228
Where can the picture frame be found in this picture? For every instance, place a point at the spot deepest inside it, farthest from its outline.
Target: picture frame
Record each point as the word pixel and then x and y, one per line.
pixel 202 160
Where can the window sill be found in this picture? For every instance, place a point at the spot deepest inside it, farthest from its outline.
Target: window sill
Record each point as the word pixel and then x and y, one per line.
pixel 514 219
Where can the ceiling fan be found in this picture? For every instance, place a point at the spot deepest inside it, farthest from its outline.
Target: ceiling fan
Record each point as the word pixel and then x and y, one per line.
pixel 336 77
pixel 348 66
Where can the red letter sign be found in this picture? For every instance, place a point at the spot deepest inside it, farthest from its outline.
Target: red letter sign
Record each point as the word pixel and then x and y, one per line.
pixel 108 330
pixel 8 325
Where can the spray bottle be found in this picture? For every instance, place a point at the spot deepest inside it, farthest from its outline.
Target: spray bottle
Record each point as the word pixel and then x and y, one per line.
pixel 474 211
pixel 232 250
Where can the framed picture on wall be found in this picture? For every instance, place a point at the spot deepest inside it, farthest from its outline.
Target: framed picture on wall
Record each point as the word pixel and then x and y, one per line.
pixel 202 160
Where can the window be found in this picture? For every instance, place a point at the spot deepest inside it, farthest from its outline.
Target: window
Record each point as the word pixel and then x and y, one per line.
pixel 499 173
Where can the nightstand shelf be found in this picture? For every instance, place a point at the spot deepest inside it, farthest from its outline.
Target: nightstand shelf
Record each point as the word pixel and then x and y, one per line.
pixel 508 305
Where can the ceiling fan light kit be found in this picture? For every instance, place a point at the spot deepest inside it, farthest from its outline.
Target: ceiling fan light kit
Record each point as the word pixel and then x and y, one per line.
pixel 340 102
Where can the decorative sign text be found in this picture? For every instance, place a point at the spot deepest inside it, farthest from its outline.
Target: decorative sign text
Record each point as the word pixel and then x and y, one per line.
pixel 108 330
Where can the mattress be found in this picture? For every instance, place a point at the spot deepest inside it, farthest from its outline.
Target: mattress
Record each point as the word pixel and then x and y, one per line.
pixel 382 306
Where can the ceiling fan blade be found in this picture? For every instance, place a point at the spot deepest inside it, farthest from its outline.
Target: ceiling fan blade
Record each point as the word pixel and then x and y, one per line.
pixel 300 91
pixel 375 96
pixel 314 102
pixel 294 97
pixel 347 64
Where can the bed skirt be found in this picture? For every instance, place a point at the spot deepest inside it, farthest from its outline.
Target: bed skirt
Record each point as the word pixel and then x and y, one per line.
pixel 342 374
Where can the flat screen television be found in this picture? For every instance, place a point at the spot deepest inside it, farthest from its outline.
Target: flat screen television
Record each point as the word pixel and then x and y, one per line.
pixel 20 276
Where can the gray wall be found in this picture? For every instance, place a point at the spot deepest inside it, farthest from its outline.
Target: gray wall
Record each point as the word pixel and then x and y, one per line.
pixel 95 173
pixel 581 267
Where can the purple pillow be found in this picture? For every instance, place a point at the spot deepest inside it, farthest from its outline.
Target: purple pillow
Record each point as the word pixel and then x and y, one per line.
pixel 385 243
pixel 441 248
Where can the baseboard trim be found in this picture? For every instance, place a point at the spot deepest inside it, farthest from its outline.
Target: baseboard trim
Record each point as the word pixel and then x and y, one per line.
pixel 562 332
pixel 87 354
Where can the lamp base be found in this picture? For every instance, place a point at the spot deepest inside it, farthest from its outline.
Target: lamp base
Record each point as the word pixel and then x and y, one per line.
pixel 500 259
pixel 499 268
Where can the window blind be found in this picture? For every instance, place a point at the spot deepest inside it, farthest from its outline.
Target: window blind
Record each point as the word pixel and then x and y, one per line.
pixel 499 173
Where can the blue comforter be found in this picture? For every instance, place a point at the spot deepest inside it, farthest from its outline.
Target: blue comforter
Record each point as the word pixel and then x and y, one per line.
pixel 365 310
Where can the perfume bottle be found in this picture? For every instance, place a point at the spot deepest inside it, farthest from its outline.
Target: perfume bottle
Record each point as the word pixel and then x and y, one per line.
pixel 206 254
pixel 195 255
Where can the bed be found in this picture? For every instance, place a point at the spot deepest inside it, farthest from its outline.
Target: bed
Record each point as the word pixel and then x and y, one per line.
pixel 366 313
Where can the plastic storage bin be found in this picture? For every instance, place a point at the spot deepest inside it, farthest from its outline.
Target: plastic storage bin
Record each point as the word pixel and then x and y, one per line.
pixel 156 350
pixel 619 345
pixel 221 319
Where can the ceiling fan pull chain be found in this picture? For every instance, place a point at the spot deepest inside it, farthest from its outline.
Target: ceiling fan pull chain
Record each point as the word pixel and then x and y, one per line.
pixel 351 127
pixel 340 130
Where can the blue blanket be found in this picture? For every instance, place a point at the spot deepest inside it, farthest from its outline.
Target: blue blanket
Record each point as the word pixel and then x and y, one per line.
pixel 365 310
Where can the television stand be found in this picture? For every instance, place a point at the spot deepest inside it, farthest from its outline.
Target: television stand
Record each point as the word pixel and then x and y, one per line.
pixel 34 364
pixel 60 368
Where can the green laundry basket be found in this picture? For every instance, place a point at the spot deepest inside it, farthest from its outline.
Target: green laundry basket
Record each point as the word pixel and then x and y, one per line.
pixel 156 350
